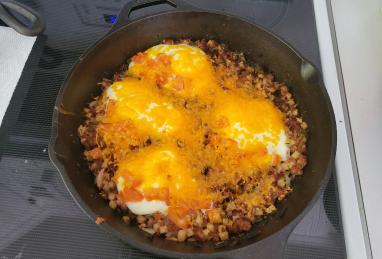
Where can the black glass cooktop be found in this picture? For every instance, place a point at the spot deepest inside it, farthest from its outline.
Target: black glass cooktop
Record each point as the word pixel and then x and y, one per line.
pixel 38 218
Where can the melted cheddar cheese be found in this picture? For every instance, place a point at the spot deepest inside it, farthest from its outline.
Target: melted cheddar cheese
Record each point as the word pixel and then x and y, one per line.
pixel 171 96
pixel 184 69
pixel 255 125
pixel 161 173
pixel 134 99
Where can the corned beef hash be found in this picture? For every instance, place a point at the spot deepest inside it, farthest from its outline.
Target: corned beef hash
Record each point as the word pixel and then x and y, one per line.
pixel 192 143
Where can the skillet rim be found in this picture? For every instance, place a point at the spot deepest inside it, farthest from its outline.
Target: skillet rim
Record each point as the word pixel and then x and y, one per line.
pixel 282 232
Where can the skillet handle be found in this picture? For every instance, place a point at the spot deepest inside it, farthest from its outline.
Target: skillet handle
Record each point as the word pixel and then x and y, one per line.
pixel 36 20
pixel 131 6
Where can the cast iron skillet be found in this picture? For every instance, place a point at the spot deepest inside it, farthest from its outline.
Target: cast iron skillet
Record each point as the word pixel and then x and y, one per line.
pixel 129 37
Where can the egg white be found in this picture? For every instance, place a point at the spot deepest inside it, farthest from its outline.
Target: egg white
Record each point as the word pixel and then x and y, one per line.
pixel 281 148
pixel 240 135
pixel 145 207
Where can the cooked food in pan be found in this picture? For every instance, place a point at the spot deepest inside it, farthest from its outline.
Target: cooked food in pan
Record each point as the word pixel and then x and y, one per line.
pixel 191 142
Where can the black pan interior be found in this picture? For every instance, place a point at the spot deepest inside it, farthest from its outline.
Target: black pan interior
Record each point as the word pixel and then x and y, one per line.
pixel 258 46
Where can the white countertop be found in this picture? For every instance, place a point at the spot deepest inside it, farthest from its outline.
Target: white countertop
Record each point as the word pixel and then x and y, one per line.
pixel 358 26
pixel 15 49
pixel 340 84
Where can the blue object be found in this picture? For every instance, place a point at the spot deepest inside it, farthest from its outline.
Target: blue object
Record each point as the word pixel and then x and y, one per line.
pixel 110 18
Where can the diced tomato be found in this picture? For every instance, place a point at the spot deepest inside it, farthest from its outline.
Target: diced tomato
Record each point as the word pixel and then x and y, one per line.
pixel 139 58
pixel 156 194
pixel 164 59
pixel 131 181
pixel 131 195
pixel 276 159
pixel 161 79
pixel 151 63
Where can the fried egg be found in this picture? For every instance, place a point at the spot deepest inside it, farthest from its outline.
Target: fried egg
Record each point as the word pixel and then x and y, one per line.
pixel 181 68
pixel 156 178
pixel 255 125
pixel 133 99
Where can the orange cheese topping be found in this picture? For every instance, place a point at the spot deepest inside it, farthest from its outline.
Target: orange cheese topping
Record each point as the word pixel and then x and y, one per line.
pixel 171 96
pixel 163 173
